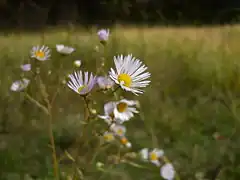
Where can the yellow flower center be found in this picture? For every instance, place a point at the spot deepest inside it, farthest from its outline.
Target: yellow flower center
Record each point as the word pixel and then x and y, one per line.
pixel 153 156
pixel 121 107
pixel 124 140
pixel 108 137
pixel 81 88
pixel 126 79
pixel 120 131
pixel 39 54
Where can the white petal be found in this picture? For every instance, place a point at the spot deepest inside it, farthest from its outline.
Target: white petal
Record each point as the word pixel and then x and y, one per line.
pixel 167 171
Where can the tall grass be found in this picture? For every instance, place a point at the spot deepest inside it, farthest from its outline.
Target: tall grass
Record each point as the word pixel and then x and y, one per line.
pixel 191 109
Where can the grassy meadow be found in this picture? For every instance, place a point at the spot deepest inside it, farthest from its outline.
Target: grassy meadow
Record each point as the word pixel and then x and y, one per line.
pixel 191 109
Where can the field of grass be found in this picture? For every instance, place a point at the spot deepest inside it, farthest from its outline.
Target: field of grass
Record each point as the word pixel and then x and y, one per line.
pixel 191 109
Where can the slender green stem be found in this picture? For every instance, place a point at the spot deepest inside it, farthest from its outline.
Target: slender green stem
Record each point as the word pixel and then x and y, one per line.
pixel 86 108
pixel 38 104
pixel 50 129
pixel 86 118
pixel 51 136
pixel 114 91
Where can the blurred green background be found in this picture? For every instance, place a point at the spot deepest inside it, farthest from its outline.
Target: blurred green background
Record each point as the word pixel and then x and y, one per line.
pixel 191 108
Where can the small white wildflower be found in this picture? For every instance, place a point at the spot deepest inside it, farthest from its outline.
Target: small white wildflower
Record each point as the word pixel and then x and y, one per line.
pixel 167 171
pixel 130 74
pixel 109 116
pixel 62 49
pixel 41 53
pixel 20 85
pixel 26 67
pixel 77 63
pixel 108 136
pixel 81 83
pixel 144 154
pixel 154 156
pixel 124 109
pixel 103 35
pixel 119 130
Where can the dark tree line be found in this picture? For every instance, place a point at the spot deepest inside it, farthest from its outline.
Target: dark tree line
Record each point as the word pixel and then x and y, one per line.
pixel 39 13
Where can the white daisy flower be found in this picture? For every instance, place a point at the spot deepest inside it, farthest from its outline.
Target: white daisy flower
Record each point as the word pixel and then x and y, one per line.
pixel 108 136
pixel 144 154
pixel 154 156
pixel 81 85
pixel 167 171
pixel 124 109
pixel 41 53
pixel 77 63
pixel 109 116
pixel 19 85
pixel 62 49
pixel 105 82
pixel 103 35
pixel 125 142
pixel 118 130
pixel 130 74
pixel 26 67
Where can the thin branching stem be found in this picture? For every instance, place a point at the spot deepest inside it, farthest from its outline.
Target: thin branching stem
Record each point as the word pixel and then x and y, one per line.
pixel 38 104
pixel 51 136
pixel 50 129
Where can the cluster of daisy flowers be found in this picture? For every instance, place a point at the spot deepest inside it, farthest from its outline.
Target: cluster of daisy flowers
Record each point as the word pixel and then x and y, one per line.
pixel 129 74
pixel 40 53
pixel 115 114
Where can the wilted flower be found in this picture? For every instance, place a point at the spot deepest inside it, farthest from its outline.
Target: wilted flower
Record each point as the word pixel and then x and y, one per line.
pixel 108 136
pixel 167 171
pixel 108 112
pixel 19 85
pixel 124 109
pixel 64 49
pixel 118 130
pixel 77 63
pixel 130 74
pixel 105 82
pixel 125 142
pixel 103 35
pixel 154 156
pixel 144 154
pixel 109 116
pixel 26 67
pixel 41 53
pixel 81 85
